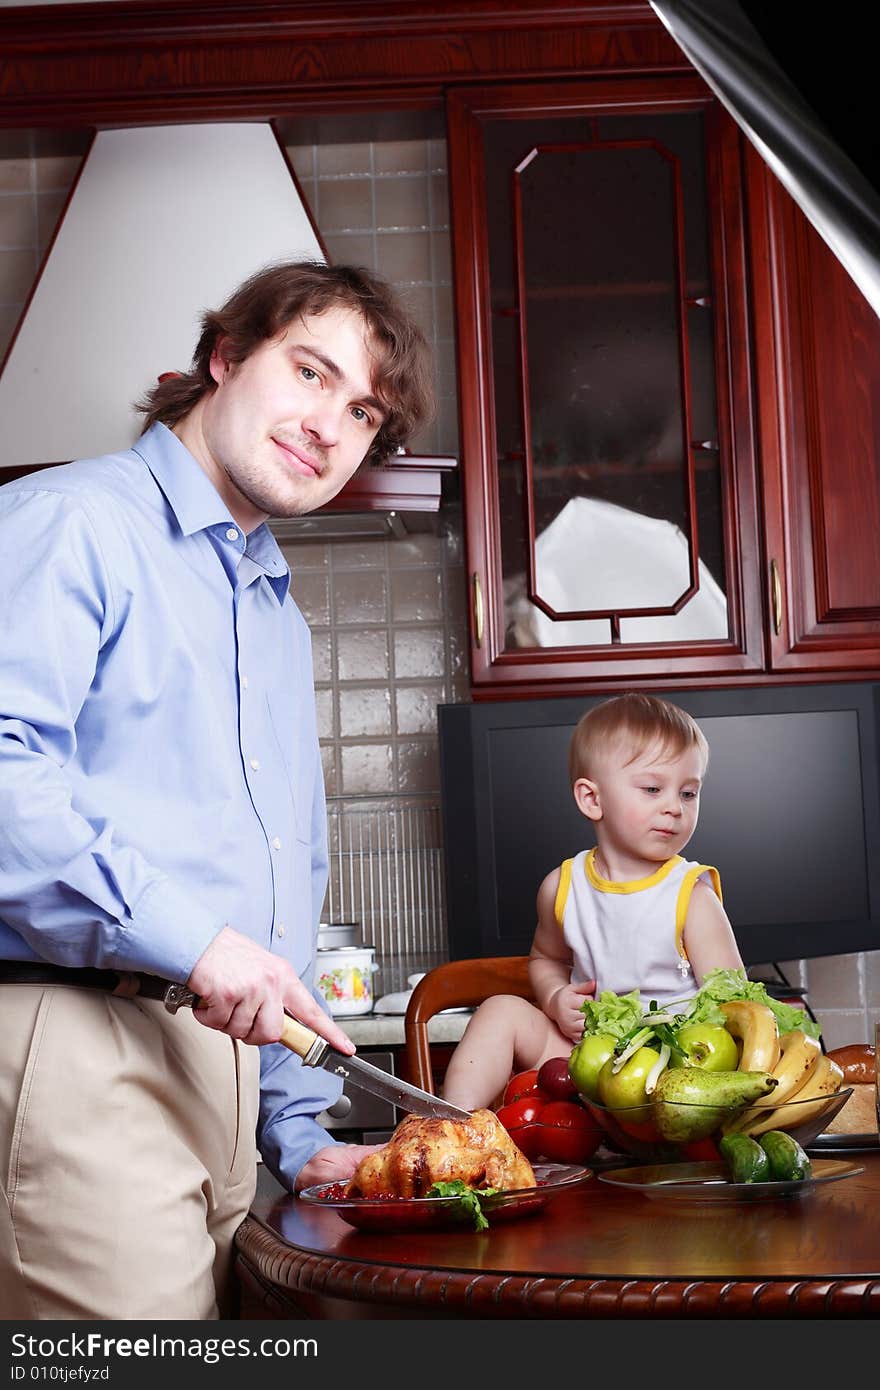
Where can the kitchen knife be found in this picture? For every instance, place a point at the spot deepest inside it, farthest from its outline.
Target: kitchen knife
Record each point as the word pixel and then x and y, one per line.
pixel 315 1051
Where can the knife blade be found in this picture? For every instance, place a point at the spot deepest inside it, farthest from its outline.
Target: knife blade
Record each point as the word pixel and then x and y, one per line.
pixel 315 1051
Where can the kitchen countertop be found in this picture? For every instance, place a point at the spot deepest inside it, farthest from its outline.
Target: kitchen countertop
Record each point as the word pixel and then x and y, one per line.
pixel 373 1030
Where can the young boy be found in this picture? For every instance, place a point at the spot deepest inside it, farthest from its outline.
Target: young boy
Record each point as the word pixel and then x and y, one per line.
pixel 629 914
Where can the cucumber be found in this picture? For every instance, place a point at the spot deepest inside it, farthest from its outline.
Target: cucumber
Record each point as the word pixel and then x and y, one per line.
pixel 788 1162
pixel 746 1160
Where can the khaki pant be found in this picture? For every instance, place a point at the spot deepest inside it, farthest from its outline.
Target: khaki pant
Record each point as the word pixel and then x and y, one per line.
pixel 127 1156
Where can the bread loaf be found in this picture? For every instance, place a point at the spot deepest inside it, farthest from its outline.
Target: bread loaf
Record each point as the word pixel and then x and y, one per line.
pixel 857 1061
pixel 859 1115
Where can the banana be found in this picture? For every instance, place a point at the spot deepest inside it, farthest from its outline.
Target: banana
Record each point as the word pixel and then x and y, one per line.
pixel 823 1081
pixel 798 1055
pixel 755 1025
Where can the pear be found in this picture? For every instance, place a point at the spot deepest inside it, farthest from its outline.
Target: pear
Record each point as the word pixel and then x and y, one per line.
pixel 691 1103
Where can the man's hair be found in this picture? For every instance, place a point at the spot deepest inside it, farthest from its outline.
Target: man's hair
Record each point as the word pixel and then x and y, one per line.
pixel 263 307
pixel 635 722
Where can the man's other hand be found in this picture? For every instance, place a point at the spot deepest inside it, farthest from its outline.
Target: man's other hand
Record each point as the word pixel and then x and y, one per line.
pixel 335 1164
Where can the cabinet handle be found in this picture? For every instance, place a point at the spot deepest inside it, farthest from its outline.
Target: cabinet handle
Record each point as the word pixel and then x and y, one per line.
pixel 478 609
pixel 776 584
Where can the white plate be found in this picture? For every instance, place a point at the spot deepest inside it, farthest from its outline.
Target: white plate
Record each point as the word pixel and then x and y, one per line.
pixel 396 1004
pixel 393 1003
pixel 710 1182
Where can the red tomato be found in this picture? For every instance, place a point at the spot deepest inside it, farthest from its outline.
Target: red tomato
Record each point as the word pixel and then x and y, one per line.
pixel 521 1084
pixel 520 1119
pixel 529 1139
pixel 569 1134
pixel 701 1150
pixel 566 1114
pixel 524 1111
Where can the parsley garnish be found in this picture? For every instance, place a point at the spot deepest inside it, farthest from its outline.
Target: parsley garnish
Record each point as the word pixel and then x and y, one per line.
pixel 469 1198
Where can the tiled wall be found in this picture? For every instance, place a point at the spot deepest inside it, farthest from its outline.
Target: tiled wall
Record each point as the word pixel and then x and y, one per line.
pixel 388 616
pixel 378 193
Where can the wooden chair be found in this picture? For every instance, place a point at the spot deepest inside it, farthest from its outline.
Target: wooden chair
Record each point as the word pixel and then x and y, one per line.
pixel 456 984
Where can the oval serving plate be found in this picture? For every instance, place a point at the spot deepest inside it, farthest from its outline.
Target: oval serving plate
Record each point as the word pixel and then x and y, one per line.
pixel 709 1182
pixel 393 1214
pixel 844 1143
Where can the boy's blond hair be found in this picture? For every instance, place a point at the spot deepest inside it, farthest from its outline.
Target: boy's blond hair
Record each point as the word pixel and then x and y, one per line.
pixel 636 721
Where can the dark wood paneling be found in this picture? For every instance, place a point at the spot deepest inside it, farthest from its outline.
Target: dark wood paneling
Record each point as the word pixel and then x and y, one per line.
pixel 160 60
pixel 843 429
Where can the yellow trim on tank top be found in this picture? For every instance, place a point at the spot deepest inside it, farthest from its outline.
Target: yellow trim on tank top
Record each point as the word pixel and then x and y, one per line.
pixel 633 885
pixel 562 891
pixel 684 900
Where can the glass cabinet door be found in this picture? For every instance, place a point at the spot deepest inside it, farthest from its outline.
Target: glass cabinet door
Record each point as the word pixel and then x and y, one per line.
pixel 606 463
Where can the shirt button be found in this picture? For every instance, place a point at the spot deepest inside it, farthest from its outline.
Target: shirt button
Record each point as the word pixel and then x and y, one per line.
pixel 276 843
pixel 281 930
pixel 244 682
pixel 232 534
pixel 255 764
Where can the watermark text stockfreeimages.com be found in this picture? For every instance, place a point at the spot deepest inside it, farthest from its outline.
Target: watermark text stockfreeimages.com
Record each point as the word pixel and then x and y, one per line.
pixel 38 1351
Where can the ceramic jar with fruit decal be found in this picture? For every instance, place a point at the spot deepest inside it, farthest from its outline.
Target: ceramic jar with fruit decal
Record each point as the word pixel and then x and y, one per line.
pixel 344 977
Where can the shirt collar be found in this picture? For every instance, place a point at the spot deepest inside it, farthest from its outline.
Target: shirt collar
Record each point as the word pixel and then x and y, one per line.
pixel 198 506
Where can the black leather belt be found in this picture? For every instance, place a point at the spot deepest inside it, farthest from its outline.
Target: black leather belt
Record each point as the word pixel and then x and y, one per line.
pixel 124 984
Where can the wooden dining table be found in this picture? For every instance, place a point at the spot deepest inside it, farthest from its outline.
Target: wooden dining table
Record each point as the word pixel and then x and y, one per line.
pixel 594 1250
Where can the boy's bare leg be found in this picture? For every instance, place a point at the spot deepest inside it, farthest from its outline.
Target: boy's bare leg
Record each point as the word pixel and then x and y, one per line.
pixel 506 1034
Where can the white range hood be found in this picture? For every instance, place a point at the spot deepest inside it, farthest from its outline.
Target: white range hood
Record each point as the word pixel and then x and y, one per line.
pixel 162 223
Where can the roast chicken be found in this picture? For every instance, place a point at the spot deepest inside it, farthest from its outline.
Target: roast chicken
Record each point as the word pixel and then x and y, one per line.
pixel 420 1152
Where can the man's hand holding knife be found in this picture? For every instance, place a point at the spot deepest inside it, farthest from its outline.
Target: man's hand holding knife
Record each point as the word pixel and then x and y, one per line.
pixel 244 990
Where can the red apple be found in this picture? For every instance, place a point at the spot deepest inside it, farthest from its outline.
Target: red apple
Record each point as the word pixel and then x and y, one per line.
pixel 554 1079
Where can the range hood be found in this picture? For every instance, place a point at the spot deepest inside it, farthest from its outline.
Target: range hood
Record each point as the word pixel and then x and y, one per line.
pixel 163 222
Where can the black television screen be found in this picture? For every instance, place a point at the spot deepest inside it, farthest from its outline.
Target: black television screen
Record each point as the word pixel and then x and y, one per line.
pixel 790 815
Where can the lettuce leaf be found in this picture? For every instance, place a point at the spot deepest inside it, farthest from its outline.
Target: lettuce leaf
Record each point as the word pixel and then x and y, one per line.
pixel 469 1198
pixel 622 1015
pixel 614 1014
pixel 721 986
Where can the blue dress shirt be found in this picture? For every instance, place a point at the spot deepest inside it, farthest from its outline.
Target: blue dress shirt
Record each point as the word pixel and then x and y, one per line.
pixel 160 773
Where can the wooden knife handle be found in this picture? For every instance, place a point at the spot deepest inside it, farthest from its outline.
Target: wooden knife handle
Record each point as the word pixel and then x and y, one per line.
pixel 305 1042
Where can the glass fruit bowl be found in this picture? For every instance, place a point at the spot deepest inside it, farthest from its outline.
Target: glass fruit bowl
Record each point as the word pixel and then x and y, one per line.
pixel 634 1130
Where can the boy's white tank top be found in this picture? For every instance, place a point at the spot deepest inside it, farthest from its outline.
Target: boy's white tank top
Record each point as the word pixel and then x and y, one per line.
pixel 628 936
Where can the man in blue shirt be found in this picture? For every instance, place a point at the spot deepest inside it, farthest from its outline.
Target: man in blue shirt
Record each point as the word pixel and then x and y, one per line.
pixel 162 804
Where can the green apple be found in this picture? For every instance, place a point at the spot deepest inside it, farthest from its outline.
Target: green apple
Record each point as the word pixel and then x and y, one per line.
pixel 707 1045
pixel 625 1089
pixel 586 1061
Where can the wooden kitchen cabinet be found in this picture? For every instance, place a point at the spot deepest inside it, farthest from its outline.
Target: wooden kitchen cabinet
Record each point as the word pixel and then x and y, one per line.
pixel 817 371
pixel 668 390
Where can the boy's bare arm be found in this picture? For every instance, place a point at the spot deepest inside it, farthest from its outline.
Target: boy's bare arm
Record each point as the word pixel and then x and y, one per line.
pixel 550 964
pixel 708 935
